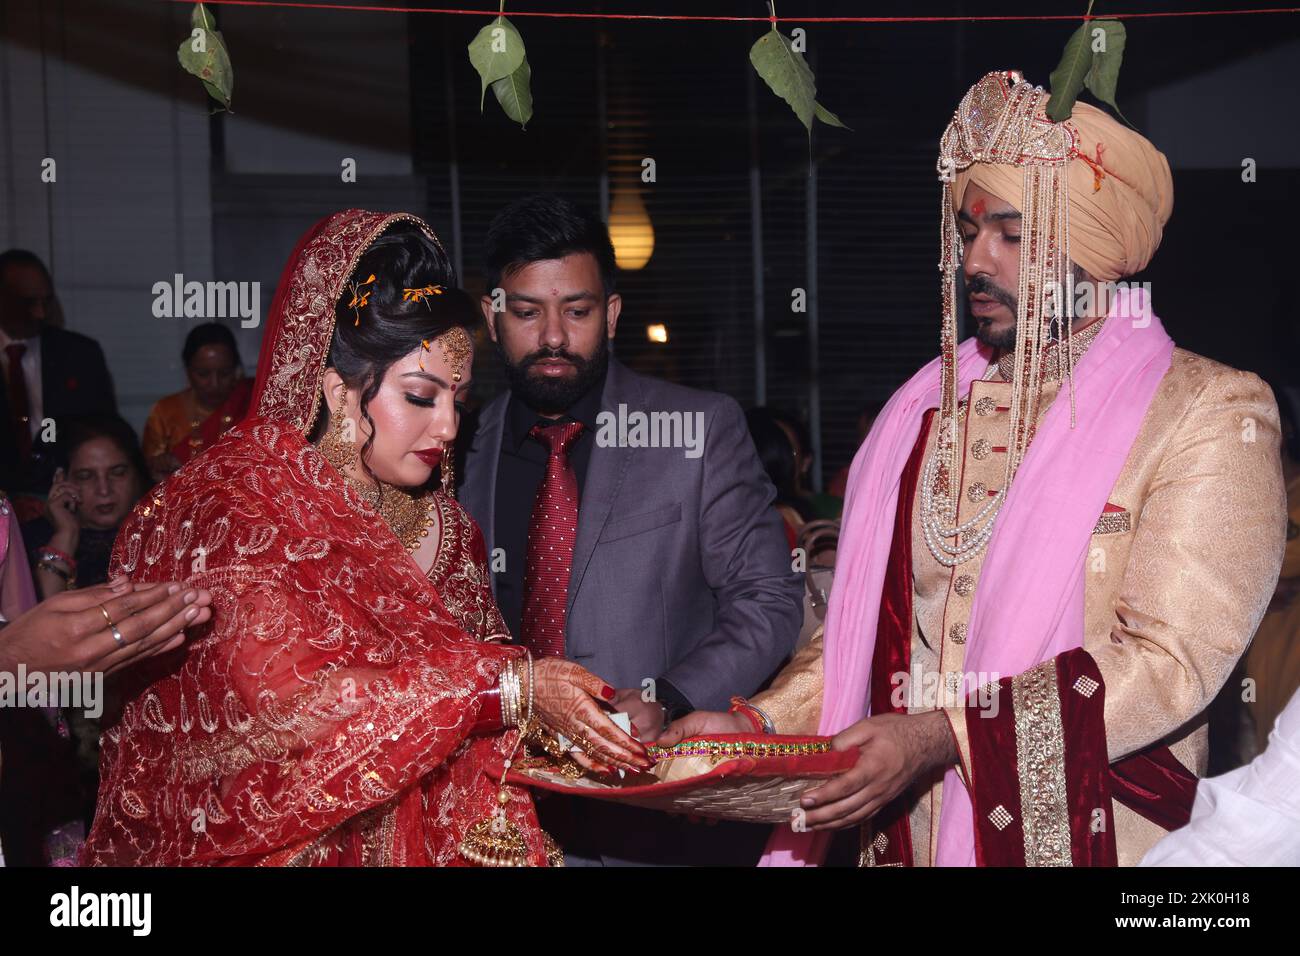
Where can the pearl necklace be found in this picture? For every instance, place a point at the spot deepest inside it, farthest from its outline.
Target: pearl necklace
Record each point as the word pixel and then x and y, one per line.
pixel 933 517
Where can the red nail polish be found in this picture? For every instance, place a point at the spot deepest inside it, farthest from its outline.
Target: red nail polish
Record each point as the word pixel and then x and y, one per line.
pixel 607 692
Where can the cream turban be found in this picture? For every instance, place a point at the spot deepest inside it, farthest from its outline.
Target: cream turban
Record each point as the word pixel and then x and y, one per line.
pixel 1121 194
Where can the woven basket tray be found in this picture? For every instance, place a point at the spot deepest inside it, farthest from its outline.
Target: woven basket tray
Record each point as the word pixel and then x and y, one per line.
pixel 747 777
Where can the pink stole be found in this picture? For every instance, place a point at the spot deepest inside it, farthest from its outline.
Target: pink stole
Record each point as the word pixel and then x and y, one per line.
pixel 1025 612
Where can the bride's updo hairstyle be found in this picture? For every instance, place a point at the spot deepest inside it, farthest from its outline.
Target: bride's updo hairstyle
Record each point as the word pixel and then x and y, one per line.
pixel 391 324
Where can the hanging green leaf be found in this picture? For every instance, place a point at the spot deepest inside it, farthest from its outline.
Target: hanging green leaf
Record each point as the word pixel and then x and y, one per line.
pixel 203 54
pixel 496 53
pixel 1103 78
pixel 789 76
pixel 515 95
pixel 1067 79
pixel 786 73
pixel 1092 59
pixel 827 117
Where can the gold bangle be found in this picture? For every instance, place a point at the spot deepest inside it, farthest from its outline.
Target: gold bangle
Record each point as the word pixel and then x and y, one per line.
pixel 510 694
pixel 504 682
pixel 528 719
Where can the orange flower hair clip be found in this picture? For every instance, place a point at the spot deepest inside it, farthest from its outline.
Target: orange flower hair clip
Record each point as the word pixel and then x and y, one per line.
pixel 360 299
pixel 419 295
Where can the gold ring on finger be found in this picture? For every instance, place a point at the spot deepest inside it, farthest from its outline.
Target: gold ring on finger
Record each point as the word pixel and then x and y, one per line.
pixel 117 635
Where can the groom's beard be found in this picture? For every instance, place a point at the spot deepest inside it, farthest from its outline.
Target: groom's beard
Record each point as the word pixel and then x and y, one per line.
pixel 555 396
pixel 1004 339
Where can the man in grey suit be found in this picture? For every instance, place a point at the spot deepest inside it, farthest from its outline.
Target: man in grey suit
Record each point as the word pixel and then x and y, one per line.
pixel 630 523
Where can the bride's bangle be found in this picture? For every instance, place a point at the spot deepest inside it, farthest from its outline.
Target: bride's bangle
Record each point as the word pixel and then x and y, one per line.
pixel 528 717
pixel 512 694
pixel 509 693
pixel 504 705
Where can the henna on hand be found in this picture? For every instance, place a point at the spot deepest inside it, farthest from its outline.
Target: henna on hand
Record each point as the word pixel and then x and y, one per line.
pixel 565 698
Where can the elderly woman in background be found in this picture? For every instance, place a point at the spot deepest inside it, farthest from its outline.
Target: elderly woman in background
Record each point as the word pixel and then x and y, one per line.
pixel 94 490
pixel 182 425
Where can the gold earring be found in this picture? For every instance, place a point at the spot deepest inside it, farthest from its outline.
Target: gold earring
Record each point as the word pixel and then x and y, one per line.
pixel 448 468
pixel 336 446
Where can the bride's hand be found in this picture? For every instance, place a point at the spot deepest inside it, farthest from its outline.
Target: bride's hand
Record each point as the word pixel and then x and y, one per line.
pixel 565 697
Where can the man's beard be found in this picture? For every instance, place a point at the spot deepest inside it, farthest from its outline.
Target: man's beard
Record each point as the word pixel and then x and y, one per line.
pixel 1006 340
pixel 984 331
pixel 552 396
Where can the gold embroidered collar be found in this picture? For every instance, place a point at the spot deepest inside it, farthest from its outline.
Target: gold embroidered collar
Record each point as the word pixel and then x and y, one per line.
pixel 1053 360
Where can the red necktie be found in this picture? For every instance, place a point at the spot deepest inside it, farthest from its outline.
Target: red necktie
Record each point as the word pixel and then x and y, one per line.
pixel 18 399
pixel 552 531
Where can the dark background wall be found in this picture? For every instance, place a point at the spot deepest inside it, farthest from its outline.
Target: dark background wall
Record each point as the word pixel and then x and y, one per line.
pixel 151 185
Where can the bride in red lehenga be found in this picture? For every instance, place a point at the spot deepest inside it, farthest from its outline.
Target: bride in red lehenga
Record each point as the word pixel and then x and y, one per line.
pixel 353 688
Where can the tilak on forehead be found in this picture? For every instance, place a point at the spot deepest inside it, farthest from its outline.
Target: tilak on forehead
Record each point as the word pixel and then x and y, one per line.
pixel 1000 120
pixel 1090 192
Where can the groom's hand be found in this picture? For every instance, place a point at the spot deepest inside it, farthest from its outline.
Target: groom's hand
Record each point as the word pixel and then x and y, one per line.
pixel 893 750
pixel 701 723
pixel 647 715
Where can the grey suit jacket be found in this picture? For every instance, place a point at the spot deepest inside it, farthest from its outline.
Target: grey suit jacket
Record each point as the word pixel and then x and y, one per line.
pixel 681 568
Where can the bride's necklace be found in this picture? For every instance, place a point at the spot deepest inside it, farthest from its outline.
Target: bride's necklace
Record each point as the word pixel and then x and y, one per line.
pixel 409 517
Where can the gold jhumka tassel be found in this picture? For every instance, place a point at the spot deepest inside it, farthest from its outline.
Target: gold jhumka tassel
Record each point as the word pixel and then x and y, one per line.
pixel 495 840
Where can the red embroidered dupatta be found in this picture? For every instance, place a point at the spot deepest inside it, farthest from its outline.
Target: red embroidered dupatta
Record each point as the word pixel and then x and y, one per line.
pixel 323 716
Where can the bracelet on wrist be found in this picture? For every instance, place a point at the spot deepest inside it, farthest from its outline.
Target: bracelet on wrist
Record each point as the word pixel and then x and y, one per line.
pixel 69 580
pixel 515 710
pixel 528 715
pixel 49 554
pixel 762 723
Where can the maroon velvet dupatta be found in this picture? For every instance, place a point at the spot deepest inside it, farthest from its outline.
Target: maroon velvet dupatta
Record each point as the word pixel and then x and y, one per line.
pixel 324 715
pixel 1040 781
pixel 1039 778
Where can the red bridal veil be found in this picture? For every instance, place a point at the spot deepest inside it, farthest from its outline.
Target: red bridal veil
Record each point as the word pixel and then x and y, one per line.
pixel 323 716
